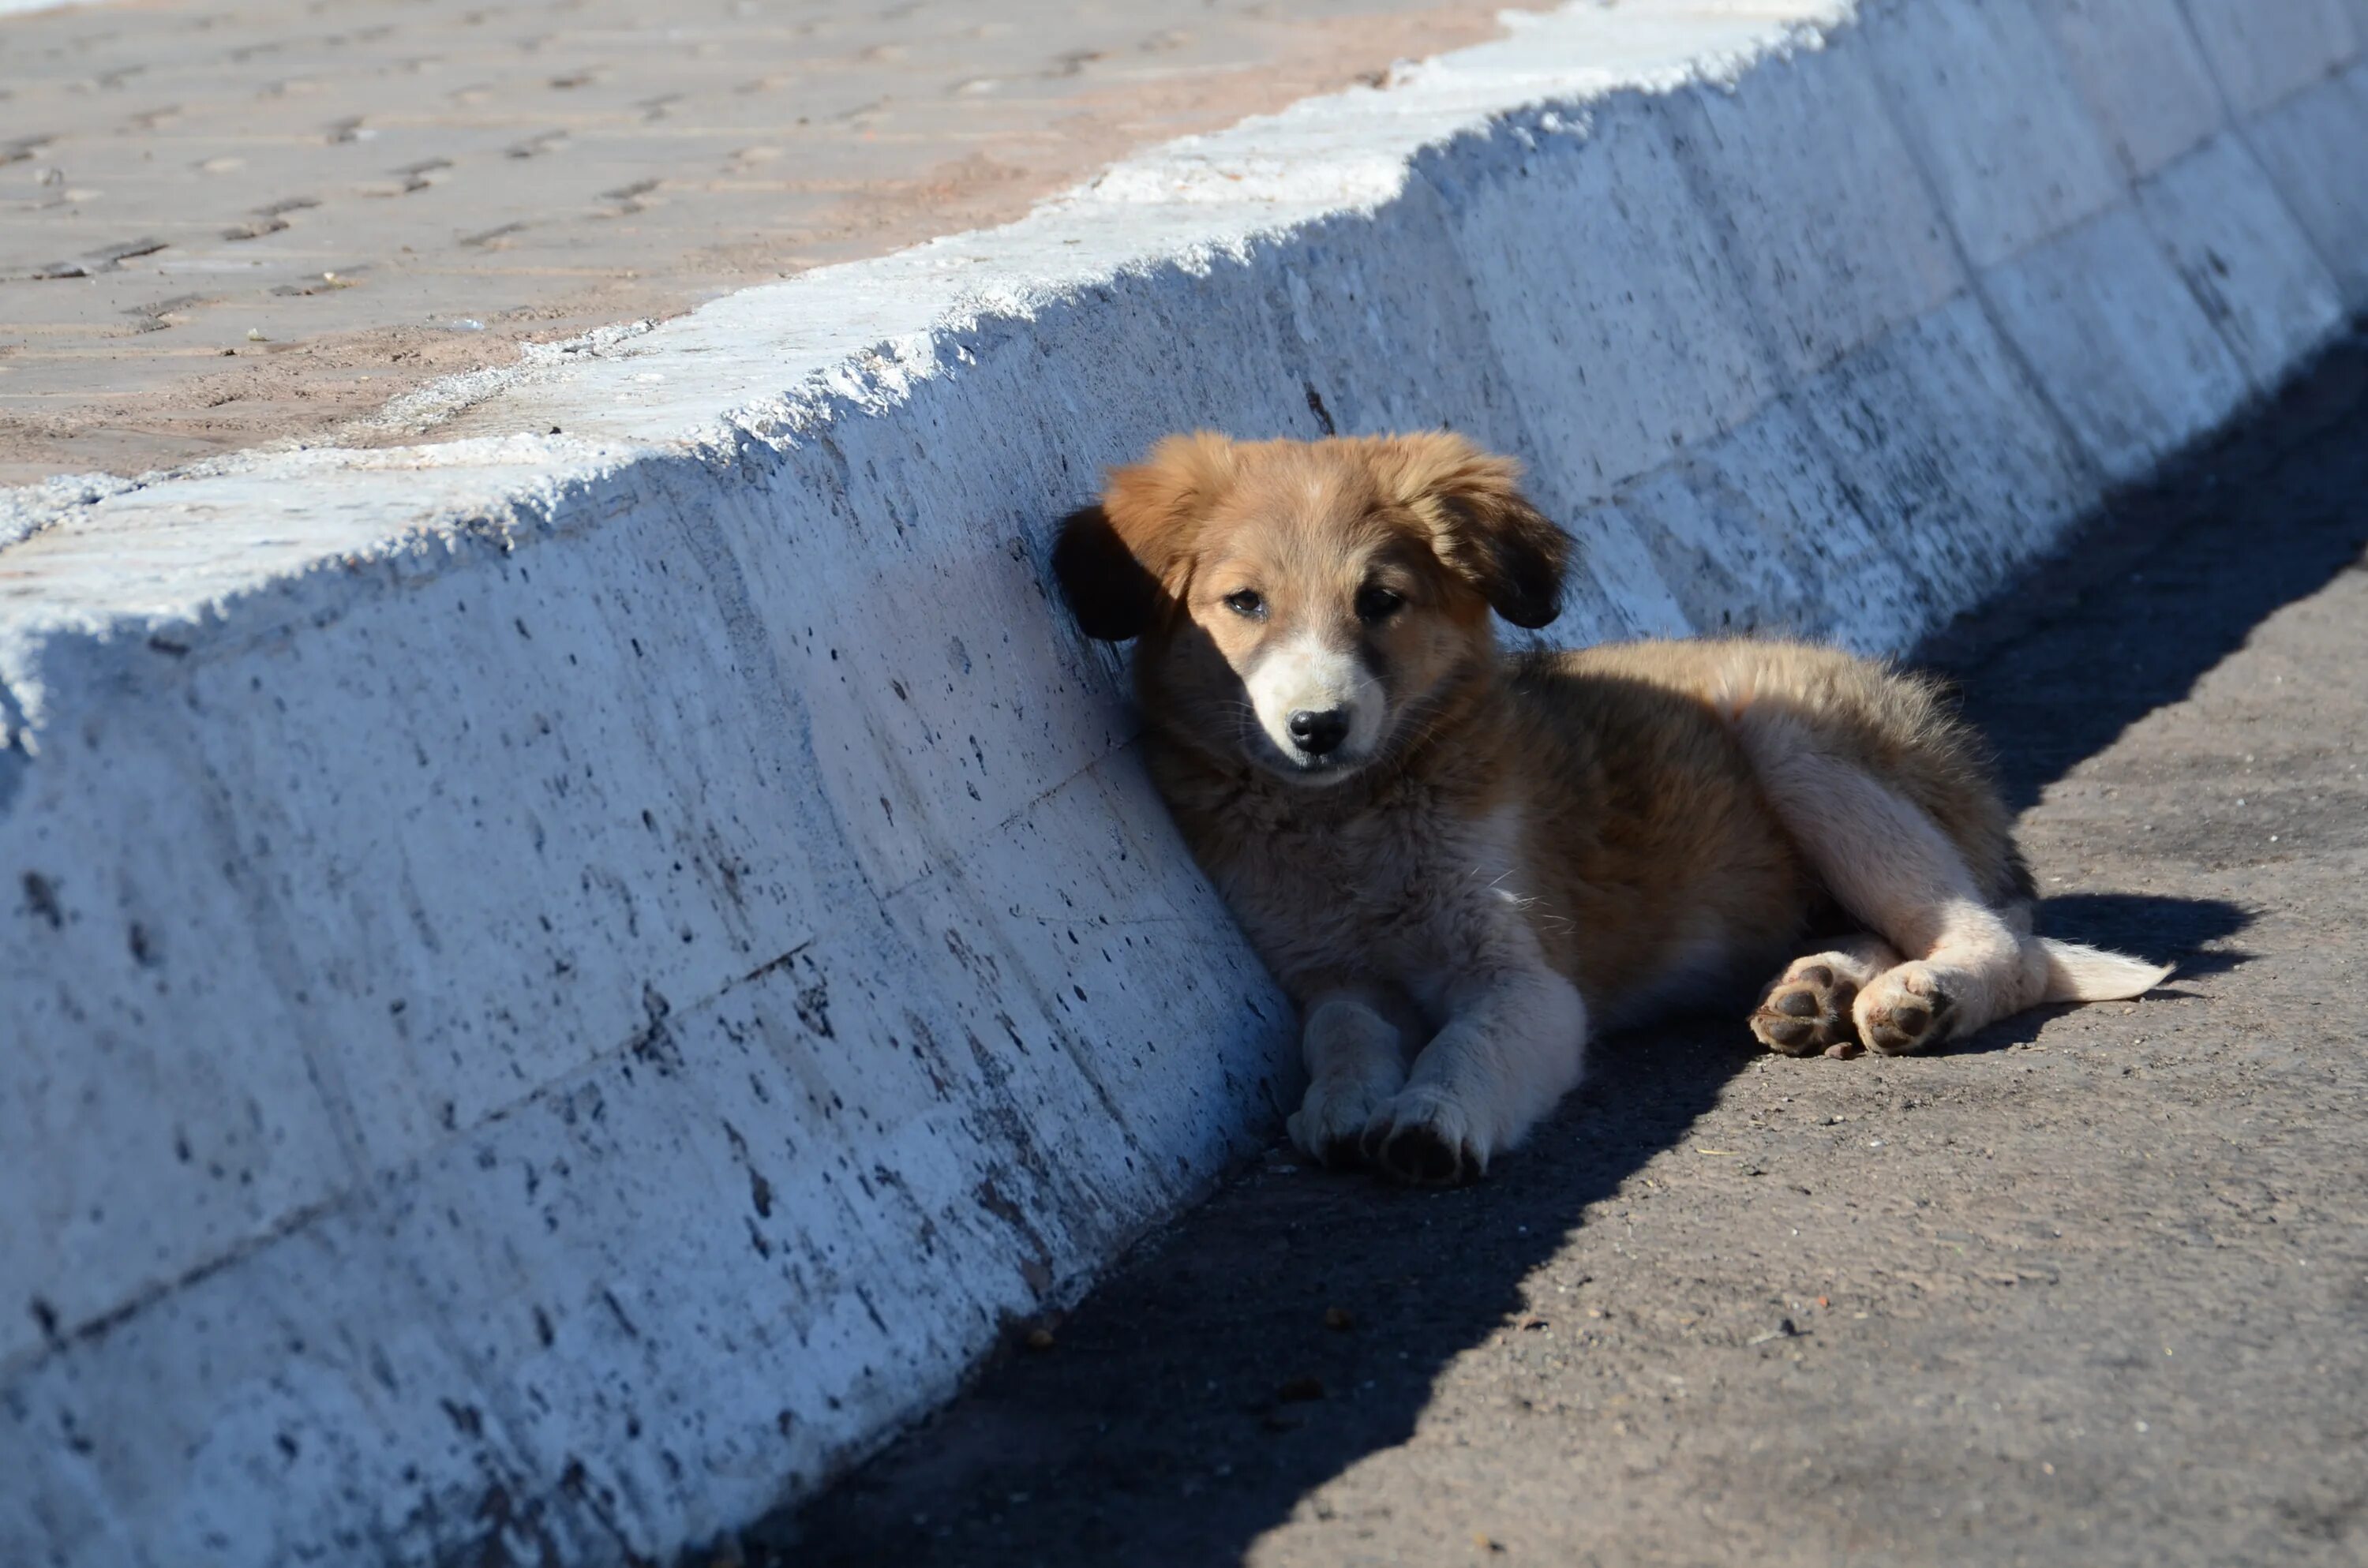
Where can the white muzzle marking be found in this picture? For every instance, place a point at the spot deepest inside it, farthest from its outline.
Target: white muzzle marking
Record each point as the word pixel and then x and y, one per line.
pixel 1306 675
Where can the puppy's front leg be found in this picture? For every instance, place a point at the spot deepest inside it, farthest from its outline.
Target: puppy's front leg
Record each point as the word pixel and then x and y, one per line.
pixel 1513 1045
pixel 1355 1044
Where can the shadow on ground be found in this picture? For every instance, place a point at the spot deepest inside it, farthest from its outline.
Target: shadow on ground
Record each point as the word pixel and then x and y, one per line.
pixel 2176 930
pixel 1214 1381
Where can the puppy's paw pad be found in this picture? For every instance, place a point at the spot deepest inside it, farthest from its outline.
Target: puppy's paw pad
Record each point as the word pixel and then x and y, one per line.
pixel 1424 1139
pixel 1807 1012
pixel 1904 1010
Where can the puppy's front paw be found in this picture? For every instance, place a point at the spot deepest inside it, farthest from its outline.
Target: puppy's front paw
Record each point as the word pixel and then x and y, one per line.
pixel 1904 1009
pixel 1424 1137
pixel 1329 1125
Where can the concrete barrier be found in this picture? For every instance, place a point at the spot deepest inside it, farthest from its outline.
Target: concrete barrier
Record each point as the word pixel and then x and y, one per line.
pixel 560 980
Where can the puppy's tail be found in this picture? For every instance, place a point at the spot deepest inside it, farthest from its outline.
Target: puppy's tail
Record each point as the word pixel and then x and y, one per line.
pixel 2078 973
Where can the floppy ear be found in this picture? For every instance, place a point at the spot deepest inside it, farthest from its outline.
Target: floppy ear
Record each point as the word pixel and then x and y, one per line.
pixel 1110 592
pixel 1119 561
pixel 1483 528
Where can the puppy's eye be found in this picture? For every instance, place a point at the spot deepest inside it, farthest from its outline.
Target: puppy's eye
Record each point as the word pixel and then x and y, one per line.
pixel 1379 604
pixel 1246 602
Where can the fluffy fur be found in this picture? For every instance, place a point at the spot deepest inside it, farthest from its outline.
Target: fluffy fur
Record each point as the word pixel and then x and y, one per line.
pixel 1460 863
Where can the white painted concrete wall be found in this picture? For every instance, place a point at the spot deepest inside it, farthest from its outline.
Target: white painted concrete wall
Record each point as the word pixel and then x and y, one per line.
pixel 554 986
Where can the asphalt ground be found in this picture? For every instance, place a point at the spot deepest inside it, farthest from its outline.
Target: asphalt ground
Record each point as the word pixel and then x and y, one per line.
pixel 2088 1289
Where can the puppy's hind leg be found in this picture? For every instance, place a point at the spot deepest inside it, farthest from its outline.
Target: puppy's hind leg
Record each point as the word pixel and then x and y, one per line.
pixel 1807 1009
pixel 1891 866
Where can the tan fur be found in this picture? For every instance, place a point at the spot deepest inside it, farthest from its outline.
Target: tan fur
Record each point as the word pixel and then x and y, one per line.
pixel 1484 857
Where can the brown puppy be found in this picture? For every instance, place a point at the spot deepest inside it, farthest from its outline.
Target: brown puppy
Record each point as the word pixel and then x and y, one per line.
pixel 1459 863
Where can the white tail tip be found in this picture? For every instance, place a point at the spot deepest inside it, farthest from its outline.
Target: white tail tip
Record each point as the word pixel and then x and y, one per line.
pixel 2078 973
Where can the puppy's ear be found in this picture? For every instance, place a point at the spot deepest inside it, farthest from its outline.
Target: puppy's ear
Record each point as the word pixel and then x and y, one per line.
pixel 1482 526
pixel 1108 591
pixel 1119 563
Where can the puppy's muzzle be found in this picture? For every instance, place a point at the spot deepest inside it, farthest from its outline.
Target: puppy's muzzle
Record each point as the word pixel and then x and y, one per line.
pixel 1319 710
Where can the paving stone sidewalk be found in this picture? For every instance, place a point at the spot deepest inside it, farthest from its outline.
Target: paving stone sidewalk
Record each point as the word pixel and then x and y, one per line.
pixel 224 223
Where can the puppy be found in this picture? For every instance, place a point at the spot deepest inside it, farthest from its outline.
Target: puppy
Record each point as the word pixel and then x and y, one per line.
pixel 1460 864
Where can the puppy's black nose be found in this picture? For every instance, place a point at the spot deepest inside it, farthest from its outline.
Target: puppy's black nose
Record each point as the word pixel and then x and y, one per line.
pixel 1318 733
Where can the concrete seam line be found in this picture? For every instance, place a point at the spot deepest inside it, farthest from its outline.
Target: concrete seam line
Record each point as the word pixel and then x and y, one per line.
pixel 1902 115
pixel 2242 123
pixel 560 985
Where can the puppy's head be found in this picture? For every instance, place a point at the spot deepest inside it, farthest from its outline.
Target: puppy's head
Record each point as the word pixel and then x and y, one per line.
pixel 1306 605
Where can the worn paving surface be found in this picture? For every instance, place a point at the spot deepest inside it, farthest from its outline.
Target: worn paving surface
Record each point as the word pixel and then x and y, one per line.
pixel 384 191
pixel 2090 1288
